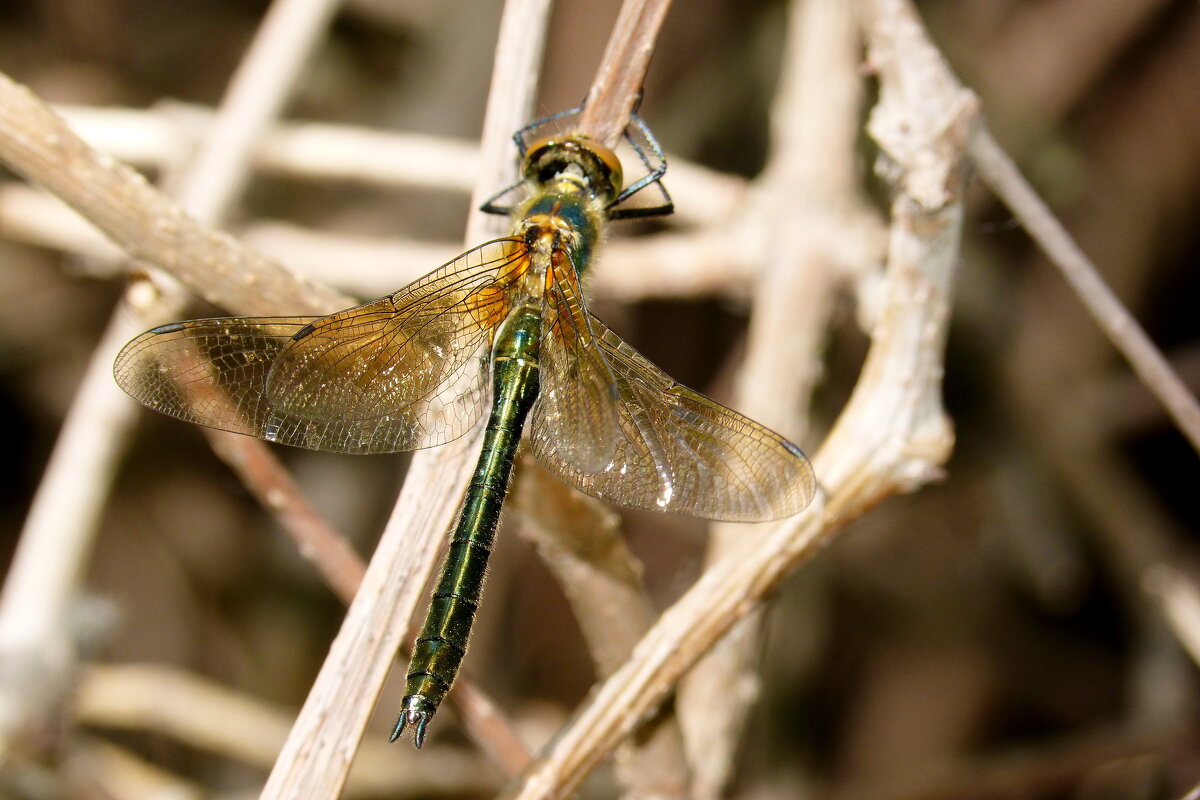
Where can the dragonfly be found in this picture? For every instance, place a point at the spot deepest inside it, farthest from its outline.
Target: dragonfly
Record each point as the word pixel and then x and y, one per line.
pixel 503 326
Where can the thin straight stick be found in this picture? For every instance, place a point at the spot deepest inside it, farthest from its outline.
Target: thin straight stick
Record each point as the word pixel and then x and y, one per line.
pixel 1110 314
pixel 262 84
pixel 618 82
pixel 805 202
pixel 316 758
pixel 141 220
pixel 577 537
pixel 57 537
pixel 893 434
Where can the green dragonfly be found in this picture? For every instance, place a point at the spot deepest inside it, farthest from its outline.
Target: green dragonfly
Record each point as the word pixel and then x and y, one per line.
pixel 503 324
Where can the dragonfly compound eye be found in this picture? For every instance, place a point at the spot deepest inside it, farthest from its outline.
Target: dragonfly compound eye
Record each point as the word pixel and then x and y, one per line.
pixel 558 157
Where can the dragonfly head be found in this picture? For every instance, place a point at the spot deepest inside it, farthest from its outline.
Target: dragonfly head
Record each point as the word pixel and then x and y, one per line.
pixel 575 159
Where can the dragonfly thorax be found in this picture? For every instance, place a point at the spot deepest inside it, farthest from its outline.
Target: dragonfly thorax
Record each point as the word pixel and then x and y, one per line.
pixel 559 220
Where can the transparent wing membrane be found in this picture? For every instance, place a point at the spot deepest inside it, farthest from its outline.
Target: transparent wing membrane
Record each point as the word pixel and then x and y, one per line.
pixel 678 450
pixel 577 402
pixel 403 372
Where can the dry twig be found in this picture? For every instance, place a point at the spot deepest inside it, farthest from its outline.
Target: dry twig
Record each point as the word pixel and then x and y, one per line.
pixel 1116 321
pixel 618 82
pixel 892 436
pixel 805 202
pixel 205 716
pixel 58 533
pixel 317 755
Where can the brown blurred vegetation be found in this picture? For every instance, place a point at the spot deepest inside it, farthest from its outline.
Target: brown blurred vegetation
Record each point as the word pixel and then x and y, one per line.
pixel 991 636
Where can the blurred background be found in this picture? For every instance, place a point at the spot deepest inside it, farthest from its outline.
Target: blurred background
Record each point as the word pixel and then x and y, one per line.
pixel 997 634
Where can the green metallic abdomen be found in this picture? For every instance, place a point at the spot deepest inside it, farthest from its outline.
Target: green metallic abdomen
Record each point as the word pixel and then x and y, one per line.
pixel 439 650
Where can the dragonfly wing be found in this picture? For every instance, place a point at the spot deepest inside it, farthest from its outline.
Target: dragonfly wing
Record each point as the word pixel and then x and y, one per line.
pixel 207 371
pixel 575 415
pixel 403 372
pixel 682 452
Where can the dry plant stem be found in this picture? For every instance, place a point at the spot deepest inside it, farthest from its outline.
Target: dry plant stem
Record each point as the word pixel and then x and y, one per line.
pixel 1147 361
pixel 711 260
pixel 207 716
pixel 117 773
pixel 59 530
pixel 801 203
pixel 579 540
pixel 618 81
pixel 1180 599
pixel 893 435
pixel 316 757
pixel 317 151
pixel 141 220
pixel 323 152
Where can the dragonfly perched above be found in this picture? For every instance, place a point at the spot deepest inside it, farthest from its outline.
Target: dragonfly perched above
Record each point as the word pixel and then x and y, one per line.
pixel 504 323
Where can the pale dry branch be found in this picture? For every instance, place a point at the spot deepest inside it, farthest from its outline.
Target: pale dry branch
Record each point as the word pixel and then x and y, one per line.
pixel 579 540
pixel 56 540
pixel 1106 309
pixel 204 715
pixel 158 137
pixel 806 200
pixel 893 436
pixel 618 83
pixel 317 754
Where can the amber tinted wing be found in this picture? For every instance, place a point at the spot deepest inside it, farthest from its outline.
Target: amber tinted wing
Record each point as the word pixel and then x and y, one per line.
pixel 577 398
pixel 680 451
pixel 403 372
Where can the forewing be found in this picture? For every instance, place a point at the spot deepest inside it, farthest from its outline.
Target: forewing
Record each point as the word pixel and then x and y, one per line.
pixel 208 371
pixel 402 372
pixel 681 452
